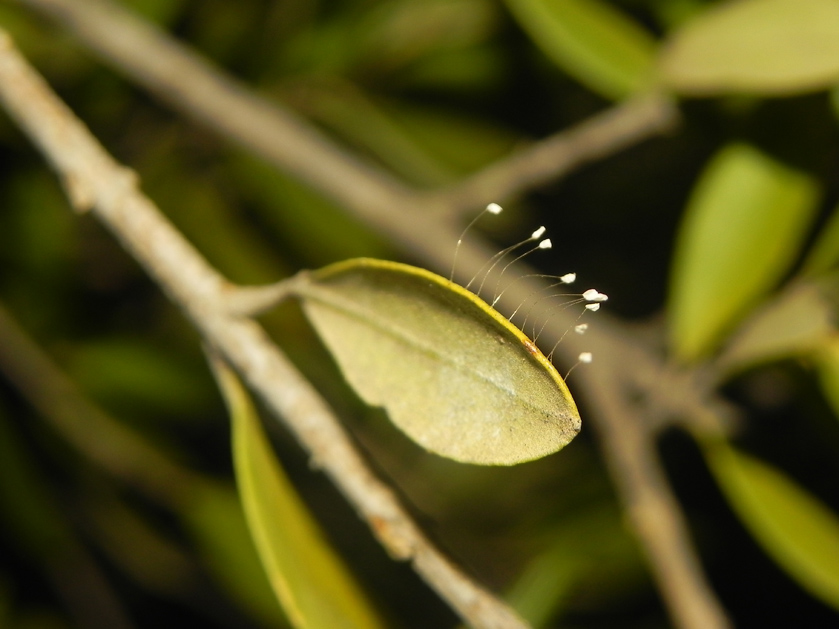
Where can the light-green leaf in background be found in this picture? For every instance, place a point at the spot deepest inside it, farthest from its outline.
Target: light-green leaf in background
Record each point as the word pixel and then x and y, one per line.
pixel 452 373
pixel 794 527
pixel 592 41
pixel 743 227
pixel 824 254
pixel 827 366
pixel 755 46
pixel 310 580
pixel 797 321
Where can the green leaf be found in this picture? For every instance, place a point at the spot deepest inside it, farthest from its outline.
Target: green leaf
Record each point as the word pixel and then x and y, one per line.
pixel 755 46
pixel 453 374
pixel 824 255
pixel 134 373
pixel 592 41
pixel 797 321
pixel 277 199
pixel 794 527
pixel 827 365
pixel 744 224
pixel 401 32
pixel 588 550
pixel 310 580
pixel 546 582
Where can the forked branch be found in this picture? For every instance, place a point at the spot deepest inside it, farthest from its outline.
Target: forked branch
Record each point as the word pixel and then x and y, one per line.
pixel 181 78
pixel 95 182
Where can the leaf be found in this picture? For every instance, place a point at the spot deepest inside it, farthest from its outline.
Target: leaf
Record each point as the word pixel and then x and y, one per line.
pixel 827 366
pixel 452 373
pixel 546 582
pixel 797 321
pixel 796 529
pixel 824 254
pixel 277 199
pixel 311 582
pixel 742 229
pixel 755 46
pixel 589 551
pixel 592 41
pixel 134 373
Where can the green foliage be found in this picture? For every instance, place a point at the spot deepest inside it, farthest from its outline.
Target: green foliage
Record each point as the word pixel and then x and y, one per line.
pixel 592 41
pixel 827 364
pixel 794 527
pixel 824 254
pixel 122 371
pixel 430 91
pixel 795 323
pixel 776 47
pixel 308 578
pixel 742 229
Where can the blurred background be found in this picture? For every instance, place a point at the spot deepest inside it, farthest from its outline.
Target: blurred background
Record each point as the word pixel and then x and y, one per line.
pixel 118 501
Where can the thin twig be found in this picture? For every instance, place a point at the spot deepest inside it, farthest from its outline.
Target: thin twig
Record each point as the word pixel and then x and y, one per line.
pixel 556 156
pixel 192 86
pixel 200 291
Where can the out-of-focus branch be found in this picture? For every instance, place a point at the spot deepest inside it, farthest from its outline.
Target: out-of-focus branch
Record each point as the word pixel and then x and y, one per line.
pixel 191 85
pixel 552 158
pixel 108 190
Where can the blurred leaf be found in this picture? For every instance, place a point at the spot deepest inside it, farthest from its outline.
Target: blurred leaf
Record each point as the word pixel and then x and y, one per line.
pixel 223 32
pixel 592 41
pixel 62 60
pixel 213 515
pixel 309 579
pixel 796 321
pixel 345 109
pixel 462 143
pixel 399 32
pixel 672 13
pixel 30 512
pixel 306 224
pixel 453 374
pixel 198 204
pixel 590 557
pixel 127 371
pixel 742 229
pixel 42 233
pixel 427 146
pixel 474 70
pixel 794 527
pixel 827 365
pixel 161 12
pixel 548 579
pixel 36 523
pixel 755 46
pixel 824 254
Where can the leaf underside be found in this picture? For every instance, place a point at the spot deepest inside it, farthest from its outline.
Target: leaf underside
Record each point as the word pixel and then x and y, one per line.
pixel 453 374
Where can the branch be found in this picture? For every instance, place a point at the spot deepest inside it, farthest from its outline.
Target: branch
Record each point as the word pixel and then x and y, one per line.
pixel 96 182
pixel 556 156
pixel 192 86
